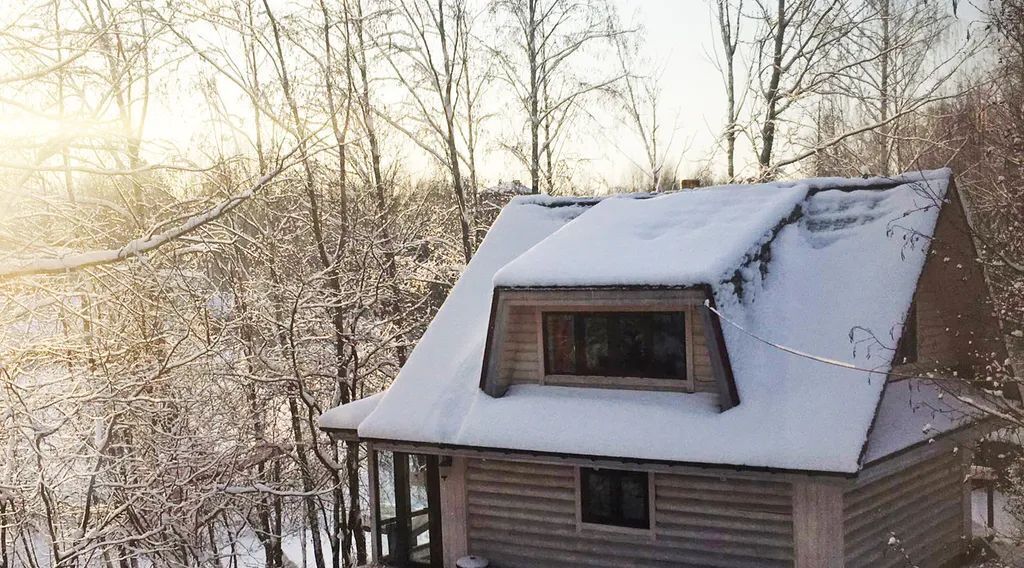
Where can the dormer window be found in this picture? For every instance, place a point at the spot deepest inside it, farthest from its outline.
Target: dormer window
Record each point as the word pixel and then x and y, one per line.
pixel 615 344
pixel 607 338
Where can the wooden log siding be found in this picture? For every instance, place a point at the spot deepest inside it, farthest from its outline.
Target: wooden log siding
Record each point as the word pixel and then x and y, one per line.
pixel 522 360
pixel 922 505
pixel 525 515
pixel 955 325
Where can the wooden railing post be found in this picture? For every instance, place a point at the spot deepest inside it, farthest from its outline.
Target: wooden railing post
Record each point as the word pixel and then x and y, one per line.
pixel 818 523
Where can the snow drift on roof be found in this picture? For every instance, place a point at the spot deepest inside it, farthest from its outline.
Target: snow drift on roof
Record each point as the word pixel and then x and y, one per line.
pixel 705 233
pixel 349 416
pixel 913 411
pixel 438 384
pixel 827 281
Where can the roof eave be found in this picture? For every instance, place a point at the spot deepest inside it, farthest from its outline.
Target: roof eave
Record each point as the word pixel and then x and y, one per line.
pixel 443 448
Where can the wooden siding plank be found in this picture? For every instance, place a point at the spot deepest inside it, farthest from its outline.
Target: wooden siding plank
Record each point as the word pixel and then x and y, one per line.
pixel 523 514
pixel 921 504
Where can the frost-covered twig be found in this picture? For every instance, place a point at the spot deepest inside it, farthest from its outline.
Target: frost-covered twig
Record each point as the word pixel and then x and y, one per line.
pixel 135 247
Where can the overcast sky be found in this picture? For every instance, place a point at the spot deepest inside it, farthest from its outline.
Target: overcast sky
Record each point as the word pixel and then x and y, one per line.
pixel 680 39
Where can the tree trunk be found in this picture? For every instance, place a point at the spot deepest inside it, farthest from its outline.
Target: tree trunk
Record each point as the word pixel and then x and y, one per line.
pixel 764 158
pixel 885 150
pixel 533 54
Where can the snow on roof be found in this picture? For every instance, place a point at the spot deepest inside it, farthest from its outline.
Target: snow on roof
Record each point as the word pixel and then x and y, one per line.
pixel 438 384
pixel 913 411
pixel 705 232
pixel 349 416
pixel 800 265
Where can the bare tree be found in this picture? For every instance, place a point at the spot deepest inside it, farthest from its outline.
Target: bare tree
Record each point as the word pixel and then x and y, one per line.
pixel 730 18
pixel 640 98
pixel 793 48
pixel 430 57
pixel 916 58
pixel 548 40
pixel 165 291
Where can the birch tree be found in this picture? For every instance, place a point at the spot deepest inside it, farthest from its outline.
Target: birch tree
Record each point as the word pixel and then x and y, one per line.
pixel 430 61
pixel 550 65
pixel 917 58
pixel 793 50
pixel 641 101
pixel 729 16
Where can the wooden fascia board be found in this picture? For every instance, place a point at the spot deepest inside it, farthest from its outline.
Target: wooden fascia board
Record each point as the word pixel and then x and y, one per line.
pixel 878 467
pixel 489 347
pixel 483 452
pixel 721 365
pixel 343 434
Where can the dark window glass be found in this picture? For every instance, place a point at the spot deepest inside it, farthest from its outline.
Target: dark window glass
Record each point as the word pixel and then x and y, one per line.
pixel 614 497
pixel 616 344
pixel 560 343
pixel 595 341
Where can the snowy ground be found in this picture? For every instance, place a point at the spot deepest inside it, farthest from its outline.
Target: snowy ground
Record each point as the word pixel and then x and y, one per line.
pixel 244 552
pixel 248 552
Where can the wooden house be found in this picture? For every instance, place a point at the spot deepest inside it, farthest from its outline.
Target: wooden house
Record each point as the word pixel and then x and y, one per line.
pixel 715 377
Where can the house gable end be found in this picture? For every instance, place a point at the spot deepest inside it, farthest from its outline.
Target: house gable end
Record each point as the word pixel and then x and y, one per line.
pixel 956 328
pixel 952 325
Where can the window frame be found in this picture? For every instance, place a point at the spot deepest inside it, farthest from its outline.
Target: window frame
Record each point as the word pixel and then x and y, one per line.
pixel 647 532
pixel 685 384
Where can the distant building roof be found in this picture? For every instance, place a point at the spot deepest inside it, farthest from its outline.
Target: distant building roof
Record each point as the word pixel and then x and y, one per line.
pixel 514 187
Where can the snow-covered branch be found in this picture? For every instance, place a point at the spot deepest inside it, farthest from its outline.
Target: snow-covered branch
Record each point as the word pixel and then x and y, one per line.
pixel 136 247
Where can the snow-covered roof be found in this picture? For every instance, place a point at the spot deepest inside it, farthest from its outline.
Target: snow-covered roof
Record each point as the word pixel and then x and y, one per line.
pixel 914 411
pixel 801 265
pixel 706 233
pixel 349 416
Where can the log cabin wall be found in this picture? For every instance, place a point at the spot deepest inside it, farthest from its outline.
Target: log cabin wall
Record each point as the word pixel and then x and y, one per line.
pixel 921 504
pixel 522 515
pixel 522 360
pixel 522 357
pixel 955 328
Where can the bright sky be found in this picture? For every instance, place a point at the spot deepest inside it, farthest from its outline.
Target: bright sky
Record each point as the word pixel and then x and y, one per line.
pixel 679 38
pixel 679 41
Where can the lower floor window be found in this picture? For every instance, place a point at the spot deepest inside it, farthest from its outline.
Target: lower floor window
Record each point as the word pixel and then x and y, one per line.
pixel 615 497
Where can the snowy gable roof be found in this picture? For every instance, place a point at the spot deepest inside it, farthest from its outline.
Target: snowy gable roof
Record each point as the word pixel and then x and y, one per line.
pixel 914 411
pixel 794 268
pixel 349 416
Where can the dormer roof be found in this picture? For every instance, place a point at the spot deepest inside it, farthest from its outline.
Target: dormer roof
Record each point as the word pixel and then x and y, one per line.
pixel 810 279
pixel 677 239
